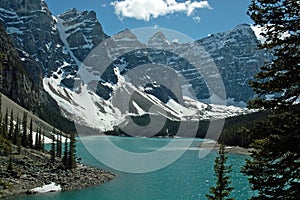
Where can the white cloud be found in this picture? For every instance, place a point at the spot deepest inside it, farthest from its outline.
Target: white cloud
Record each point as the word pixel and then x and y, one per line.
pixel 196 19
pixel 147 9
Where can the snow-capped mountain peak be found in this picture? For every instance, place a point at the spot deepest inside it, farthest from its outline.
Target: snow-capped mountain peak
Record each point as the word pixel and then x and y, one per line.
pixel 61 50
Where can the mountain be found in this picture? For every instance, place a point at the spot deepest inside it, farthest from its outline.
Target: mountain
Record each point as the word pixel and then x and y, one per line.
pixel 238 59
pixel 107 84
pixel 28 55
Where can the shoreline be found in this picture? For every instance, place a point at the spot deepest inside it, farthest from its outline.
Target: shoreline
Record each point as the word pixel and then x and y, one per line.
pixel 33 170
pixel 205 145
pixel 228 149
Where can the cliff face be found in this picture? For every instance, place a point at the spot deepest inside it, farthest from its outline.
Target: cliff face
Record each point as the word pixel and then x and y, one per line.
pixel 51 49
pixel 81 31
pixel 32 28
pixel 238 59
pixel 18 85
pixel 14 83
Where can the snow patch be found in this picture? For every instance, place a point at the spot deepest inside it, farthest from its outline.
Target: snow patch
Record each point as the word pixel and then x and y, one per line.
pixel 52 187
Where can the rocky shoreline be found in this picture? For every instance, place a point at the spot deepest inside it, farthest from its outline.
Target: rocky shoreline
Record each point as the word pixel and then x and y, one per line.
pixel 32 169
pixel 229 149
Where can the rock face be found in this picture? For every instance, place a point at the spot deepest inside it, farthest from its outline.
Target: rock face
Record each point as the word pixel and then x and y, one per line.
pixel 33 29
pixel 82 31
pixel 21 87
pixel 234 53
pixel 38 52
pixel 52 49
pixel 238 59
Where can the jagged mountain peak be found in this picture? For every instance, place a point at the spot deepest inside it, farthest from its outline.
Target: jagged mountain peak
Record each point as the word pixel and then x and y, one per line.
pixel 80 31
pixel 59 45
pixel 158 40
pixel 240 32
pixel 72 13
pixel 125 33
pixel 24 6
pixel 158 35
pixel 125 39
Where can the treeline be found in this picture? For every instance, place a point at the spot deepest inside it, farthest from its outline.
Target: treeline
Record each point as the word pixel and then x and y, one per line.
pixel 19 133
pixel 235 131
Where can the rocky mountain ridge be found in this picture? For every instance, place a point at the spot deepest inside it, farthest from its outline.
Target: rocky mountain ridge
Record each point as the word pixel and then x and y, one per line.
pixel 53 51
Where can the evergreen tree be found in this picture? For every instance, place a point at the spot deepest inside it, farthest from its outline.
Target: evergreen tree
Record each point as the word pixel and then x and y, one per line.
pixel 72 152
pixel 52 151
pixel 43 144
pixel 30 136
pixel 24 138
pixel 222 189
pixel 273 169
pixel 4 125
pixel 16 134
pixel 6 120
pixel 11 126
pixel 37 142
pixel 65 158
pixel 280 21
pixel 40 145
pixel 59 145
pixel 10 164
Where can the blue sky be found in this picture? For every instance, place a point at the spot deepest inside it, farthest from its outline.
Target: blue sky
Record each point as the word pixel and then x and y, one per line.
pixel 194 18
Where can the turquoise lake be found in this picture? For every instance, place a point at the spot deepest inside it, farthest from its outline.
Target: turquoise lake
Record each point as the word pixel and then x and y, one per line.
pixel 187 178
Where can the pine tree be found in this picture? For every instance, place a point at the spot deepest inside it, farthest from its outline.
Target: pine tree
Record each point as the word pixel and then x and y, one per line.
pixel 37 142
pixel 4 125
pixel 43 144
pixel 16 134
pixel 10 164
pixel 52 151
pixel 11 126
pixel 280 20
pixel 65 159
pixel 222 189
pixel 274 168
pixel 6 122
pixel 40 145
pixel 59 145
pixel 72 152
pixel 30 136
pixel 24 138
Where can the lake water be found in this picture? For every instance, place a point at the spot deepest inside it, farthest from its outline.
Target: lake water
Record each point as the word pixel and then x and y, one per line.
pixel 187 178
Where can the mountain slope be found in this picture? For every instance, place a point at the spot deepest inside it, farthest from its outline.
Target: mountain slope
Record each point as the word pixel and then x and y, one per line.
pixel 238 59
pixel 18 85
pixel 108 89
